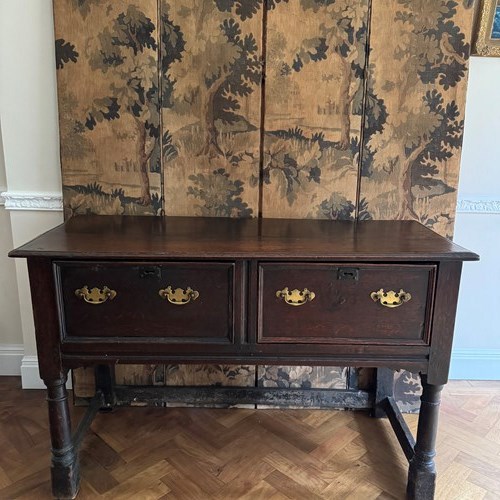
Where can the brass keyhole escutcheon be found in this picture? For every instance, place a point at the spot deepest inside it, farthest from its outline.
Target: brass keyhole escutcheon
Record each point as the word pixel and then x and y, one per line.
pixel 391 298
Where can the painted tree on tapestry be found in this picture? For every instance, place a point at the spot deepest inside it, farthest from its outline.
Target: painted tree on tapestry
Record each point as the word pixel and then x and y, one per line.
pixel 73 142
pixel 229 63
pixel 435 52
pixel 133 85
pixel 84 6
pixel 211 102
pixel 172 50
pixel 375 116
pixel 432 53
pixel 426 137
pixel 315 65
pixel 65 53
pixel 219 195
pixel 343 36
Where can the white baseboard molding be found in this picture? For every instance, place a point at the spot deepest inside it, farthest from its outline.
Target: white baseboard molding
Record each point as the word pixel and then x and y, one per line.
pixel 475 364
pixel 29 373
pixel 30 376
pixel 11 356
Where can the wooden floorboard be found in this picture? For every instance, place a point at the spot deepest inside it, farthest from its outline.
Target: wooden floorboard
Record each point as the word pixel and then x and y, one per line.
pixel 199 453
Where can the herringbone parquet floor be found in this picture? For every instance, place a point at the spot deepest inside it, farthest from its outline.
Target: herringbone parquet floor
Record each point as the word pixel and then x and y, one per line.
pixel 185 453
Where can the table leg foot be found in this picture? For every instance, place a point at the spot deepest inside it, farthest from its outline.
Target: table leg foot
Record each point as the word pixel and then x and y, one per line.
pixel 421 481
pixel 422 472
pixel 65 469
pixel 65 480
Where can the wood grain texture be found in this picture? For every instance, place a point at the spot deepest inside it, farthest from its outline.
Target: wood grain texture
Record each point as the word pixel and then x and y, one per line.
pixel 444 322
pixel 422 473
pixel 209 318
pixel 310 454
pixel 152 238
pixel 45 317
pixel 134 330
pixel 342 310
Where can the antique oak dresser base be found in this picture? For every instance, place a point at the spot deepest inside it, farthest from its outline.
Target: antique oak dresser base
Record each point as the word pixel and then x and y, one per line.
pixel 265 291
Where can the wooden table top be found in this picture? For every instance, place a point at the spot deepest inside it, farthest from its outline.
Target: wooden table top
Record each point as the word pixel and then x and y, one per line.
pixel 149 238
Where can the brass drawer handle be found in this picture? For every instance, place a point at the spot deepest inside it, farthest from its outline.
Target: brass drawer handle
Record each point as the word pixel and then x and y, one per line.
pixel 391 299
pixel 95 296
pixel 295 297
pixel 179 297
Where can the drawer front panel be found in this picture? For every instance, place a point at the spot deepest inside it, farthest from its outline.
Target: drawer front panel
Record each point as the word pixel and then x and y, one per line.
pixel 329 304
pixel 177 302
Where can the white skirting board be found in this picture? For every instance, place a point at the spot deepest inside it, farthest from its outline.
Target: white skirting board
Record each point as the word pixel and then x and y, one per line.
pixel 475 364
pixel 11 356
pixel 29 373
pixel 30 376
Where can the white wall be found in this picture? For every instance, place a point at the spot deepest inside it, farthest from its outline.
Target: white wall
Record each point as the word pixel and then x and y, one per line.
pixel 28 96
pixel 477 336
pixel 28 112
pixel 11 338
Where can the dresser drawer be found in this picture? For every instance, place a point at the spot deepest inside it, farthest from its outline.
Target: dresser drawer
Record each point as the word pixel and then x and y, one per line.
pixel 177 302
pixel 345 304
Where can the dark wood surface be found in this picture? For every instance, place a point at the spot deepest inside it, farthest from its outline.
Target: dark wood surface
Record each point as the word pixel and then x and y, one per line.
pixel 445 308
pixel 237 266
pixel 138 310
pixel 45 316
pixel 117 237
pixel 422 471
pixel 342 311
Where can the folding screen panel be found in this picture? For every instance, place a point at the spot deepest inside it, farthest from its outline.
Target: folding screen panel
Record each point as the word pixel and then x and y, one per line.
pixel 414 112
pixel 211 80
pixel 315 64
pixel 108 86
pixel 333 130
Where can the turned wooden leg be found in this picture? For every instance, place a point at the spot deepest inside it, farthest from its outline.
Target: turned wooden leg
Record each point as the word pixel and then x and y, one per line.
pixel 422 473
pixel 65 468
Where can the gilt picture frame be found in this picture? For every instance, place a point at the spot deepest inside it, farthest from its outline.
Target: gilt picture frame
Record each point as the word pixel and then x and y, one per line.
pixel 486 40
